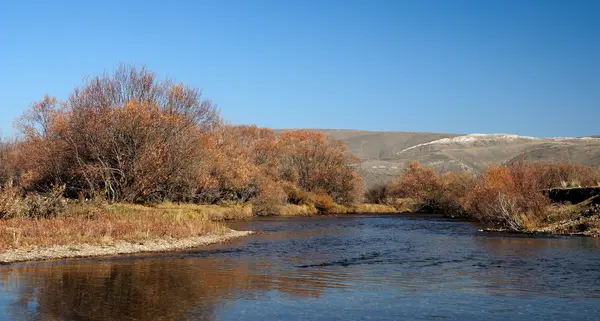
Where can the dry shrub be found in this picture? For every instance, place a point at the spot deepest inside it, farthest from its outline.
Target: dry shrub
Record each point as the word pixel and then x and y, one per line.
pixel 312 162
pixel 432 191
pixel 322 201
pixel 552 175
pixel 14 204
pixel 127 135
pixel 7 166
pixel 377 194
pixel 130 137
pixel 417 182
pixel 296 195
pixel 455 188
pixel 270 200
pixel 49 205
pixel 508 196
pixel 11 202
pixel 511 196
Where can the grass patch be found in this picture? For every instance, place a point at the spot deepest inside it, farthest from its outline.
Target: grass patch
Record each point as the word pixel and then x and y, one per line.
pixel 298 210
pixel 185 211
pixel 99 224
pixel 373 208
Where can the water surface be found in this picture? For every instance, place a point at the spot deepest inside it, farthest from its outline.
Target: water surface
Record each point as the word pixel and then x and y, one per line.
pixel 376 267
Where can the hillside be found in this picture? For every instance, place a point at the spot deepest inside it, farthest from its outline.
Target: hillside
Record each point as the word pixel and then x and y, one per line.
pixel 384 154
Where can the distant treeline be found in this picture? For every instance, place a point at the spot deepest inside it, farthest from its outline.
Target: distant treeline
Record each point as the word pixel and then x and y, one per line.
pixel 130 137
pixel 512 196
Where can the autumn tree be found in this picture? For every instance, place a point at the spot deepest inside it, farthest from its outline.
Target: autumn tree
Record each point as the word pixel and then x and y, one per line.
pixel 127 136
pixel 417 182
pixel 130 137
pixel 316 164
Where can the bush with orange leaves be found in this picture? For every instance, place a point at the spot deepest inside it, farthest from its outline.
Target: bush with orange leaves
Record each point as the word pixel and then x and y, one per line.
pixel 230 175
pixel 129 137
pixel 508 196
pixel 316 164
pixel 247 162
pixel 432 191
pixel 561 174
pixel 6 168
pixel 511 196
pixel 126 137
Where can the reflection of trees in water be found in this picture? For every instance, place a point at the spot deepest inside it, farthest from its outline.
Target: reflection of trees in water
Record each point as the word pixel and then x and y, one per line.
pixel 144 289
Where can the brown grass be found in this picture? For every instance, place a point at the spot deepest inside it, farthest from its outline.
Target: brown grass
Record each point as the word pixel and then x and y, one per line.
pixel 298 210
pixel 373 208
pixel 105 224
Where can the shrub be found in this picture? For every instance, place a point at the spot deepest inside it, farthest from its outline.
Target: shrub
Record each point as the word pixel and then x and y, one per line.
pixel 417 182
pixel 312 162
pixel 296 195
pixel 13 204
pixel 270 200
pixel 508 196
pixel 552 175
pixel 431 191
pixel 455 188
pixel 322 201
pixel 49 205
pixel 127 135
pixel 377 194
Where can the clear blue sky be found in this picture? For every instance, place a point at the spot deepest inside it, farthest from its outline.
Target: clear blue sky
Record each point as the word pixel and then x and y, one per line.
pixel 525 67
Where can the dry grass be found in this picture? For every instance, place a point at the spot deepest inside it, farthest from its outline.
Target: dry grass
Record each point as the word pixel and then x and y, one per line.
pixel 373 208
pixel 105 224
pixel 298 210
pixel 307 210
pixel 589 226
pixel 195 211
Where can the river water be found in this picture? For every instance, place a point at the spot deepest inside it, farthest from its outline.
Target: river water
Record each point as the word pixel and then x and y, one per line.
pixel 376 267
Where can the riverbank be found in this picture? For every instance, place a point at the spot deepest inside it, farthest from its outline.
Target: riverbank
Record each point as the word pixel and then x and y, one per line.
pixel 99 229
pixel 117 248
pixel 96 229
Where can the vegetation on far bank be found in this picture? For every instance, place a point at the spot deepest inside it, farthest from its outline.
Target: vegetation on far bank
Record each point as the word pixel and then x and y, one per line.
pixel 129 138
pixel 511 197
pixel 128 157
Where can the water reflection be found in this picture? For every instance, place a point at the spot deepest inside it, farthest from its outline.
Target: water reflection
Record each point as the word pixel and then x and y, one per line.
pixel 368 265
pixel 144 289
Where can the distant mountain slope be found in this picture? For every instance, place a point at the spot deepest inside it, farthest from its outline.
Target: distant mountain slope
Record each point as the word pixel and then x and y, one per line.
pixel 385 154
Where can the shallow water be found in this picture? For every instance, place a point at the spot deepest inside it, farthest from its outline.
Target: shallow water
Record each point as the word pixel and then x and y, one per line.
pixel 376 267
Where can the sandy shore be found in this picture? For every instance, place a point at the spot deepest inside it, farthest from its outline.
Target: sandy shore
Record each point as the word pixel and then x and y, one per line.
pixel 117 248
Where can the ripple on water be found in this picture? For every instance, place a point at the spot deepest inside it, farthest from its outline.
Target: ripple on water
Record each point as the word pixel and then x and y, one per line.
pixel 379 266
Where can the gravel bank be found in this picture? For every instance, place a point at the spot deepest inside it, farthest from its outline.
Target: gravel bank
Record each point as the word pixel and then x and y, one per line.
pixel 87 250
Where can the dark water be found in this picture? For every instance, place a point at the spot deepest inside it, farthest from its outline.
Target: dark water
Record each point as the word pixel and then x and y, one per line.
pixel 382 267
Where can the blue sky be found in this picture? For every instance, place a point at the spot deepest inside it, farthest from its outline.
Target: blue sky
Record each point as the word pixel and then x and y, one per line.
pixel 525 67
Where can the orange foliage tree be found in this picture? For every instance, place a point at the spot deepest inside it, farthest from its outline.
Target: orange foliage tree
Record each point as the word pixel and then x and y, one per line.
pixel 433 191
pixel 318 165
pixel 126 136
pixel 509 196
pixel 130 137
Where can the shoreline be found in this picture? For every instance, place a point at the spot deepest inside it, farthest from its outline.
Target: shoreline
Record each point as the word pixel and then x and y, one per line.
pixel 536 232
pixel 115 249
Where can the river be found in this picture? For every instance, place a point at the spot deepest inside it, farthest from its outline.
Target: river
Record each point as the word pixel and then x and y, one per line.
pixel 375 267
